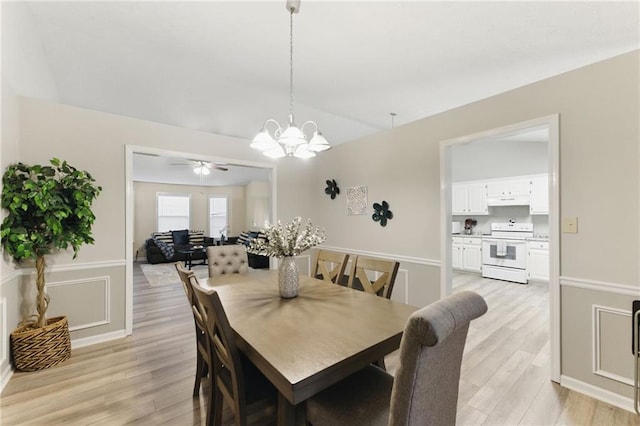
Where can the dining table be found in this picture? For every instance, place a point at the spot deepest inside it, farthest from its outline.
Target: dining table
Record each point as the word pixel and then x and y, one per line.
pixel 308 343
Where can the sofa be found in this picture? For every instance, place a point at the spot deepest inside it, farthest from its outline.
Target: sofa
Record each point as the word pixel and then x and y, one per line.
pixel 165 247
pixel 256 261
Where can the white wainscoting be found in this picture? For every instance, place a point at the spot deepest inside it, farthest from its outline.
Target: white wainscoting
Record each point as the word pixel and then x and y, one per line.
pixel 85 283
pixel 597 313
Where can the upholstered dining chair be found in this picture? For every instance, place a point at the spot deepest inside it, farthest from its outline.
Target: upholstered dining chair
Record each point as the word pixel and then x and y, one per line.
pixel 362 268
pixel 202 366
pixel 425 388
pixel 330 265
pixel 229 259
pixel 235 379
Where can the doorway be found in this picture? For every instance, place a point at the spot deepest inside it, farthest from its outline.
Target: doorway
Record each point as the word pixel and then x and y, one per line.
pixel 184 166
pixel 550 124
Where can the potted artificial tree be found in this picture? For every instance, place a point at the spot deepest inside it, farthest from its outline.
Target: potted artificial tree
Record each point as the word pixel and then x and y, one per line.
pixel 48 208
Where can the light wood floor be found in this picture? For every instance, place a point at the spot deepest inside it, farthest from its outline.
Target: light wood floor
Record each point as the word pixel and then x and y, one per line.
pixel 147 378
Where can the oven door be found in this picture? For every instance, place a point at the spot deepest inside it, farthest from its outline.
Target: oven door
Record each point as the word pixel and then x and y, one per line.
pixel 504 252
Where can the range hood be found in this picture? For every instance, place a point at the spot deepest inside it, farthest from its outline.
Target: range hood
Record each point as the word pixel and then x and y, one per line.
pixel 511 200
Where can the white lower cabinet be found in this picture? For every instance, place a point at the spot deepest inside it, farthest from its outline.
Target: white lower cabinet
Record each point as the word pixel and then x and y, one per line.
pixel 466 254
pixel 538 260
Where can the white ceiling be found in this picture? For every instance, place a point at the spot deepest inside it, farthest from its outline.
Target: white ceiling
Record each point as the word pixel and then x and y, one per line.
pixel 222 67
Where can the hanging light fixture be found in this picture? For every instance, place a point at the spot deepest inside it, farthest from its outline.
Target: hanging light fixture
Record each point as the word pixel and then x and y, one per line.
pixel 291 141
pixel 201 169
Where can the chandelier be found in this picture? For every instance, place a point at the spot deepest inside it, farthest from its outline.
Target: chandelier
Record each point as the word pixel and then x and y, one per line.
pixel 292 141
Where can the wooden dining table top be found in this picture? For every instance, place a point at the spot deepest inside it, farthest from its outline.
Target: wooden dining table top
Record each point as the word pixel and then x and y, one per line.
pixel 309 342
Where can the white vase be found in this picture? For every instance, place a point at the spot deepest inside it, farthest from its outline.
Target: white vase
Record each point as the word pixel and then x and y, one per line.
pixel 288 278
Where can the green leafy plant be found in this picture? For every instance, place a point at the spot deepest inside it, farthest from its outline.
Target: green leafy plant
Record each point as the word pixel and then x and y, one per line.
pixel 48 209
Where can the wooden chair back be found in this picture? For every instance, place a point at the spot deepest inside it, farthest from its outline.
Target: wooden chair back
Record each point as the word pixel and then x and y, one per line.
pixel 363 267
pixel 202 355
pixel 228 373
pixel 330 265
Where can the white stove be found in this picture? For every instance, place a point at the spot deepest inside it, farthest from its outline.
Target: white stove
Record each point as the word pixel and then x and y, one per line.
pixel 504 252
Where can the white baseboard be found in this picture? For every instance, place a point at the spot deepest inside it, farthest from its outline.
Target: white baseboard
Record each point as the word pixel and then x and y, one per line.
pixel 100 338
pixel 6 375
pixel 598 393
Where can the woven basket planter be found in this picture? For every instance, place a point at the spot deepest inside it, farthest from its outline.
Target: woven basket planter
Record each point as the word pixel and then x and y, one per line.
pixel 39 348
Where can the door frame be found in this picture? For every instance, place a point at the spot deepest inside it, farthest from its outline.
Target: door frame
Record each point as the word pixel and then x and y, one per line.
pixel 129 202
pixel 552 123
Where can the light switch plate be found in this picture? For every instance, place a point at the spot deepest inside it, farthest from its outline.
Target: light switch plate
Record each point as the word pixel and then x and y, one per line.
pixel 570 225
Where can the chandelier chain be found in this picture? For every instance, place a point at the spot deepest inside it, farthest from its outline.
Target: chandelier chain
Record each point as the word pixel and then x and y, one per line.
pixel 291 61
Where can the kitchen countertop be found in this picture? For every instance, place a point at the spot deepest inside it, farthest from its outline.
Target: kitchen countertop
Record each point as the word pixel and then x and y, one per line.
pixel 534 238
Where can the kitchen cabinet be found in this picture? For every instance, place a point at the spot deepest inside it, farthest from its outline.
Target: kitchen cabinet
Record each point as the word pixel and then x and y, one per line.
pixel 508 192
pixel 469 198
pixel 539 198
pixel 538 260
pixel 466 254
pixel 456 253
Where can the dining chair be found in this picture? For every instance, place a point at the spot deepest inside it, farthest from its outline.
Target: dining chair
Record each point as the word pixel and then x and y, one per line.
pixel 425 388
pixel 229 259
pixel 330 265
pixel 202 366
pixel 235 379
pixel 363 267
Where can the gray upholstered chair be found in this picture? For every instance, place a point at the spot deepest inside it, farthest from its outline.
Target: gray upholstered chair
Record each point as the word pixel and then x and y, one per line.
pixel 230 259
pixel 330 265
pixel 425 388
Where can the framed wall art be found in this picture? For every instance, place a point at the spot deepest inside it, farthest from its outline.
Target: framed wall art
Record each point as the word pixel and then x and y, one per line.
pixel 356 200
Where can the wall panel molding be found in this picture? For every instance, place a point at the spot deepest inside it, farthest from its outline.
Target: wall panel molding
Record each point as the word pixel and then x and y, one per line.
pixel 597 346
pixel 100 338
pixel 604 286
pixel 16 273
pixel 106 280
pixel 4 334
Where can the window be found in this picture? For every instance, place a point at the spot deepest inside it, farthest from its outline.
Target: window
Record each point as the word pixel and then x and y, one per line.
pixel 218 215
pixel 173 211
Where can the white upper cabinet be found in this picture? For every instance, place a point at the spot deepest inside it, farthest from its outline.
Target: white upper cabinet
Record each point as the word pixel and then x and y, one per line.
pixel 469 198
pixel 508 192
pixel 539 195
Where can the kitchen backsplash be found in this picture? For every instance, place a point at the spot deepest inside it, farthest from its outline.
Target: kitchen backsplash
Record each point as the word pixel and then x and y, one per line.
pixel 503 214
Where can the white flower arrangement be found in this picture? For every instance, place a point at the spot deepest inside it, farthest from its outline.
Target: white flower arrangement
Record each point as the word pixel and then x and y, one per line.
pixel 286 241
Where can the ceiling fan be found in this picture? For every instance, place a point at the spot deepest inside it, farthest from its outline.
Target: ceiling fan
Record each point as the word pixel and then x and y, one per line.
pixel 203 167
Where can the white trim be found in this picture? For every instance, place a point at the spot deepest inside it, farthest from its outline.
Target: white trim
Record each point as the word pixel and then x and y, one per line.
pixel 552 123
pixel 100 338
pixel 4 334
pixel 597 393
pixel 603 286
pixel 87 265
pixel 6 376
pixel 16 273
pixel 597 367
pixel 107 299
pixel 398 257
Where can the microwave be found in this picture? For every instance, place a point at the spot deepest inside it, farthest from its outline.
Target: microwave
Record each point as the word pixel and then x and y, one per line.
pixel 455 227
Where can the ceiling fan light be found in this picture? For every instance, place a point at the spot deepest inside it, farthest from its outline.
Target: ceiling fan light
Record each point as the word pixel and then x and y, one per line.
pixel 318 143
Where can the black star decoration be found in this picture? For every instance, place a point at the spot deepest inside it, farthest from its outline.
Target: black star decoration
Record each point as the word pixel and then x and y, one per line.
pixel 382 213
pixel 332 188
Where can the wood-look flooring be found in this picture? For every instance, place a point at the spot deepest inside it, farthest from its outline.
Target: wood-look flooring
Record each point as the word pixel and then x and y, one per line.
pixel 147 378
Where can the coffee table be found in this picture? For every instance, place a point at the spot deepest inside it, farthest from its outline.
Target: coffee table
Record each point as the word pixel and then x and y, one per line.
pixel 192 254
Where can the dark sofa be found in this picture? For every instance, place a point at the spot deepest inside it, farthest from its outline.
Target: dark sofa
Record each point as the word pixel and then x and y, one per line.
pixel 256 261
pixel 165 247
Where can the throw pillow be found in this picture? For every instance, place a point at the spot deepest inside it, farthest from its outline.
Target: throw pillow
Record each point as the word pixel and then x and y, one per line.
pixel 180 238
pixel 166 249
